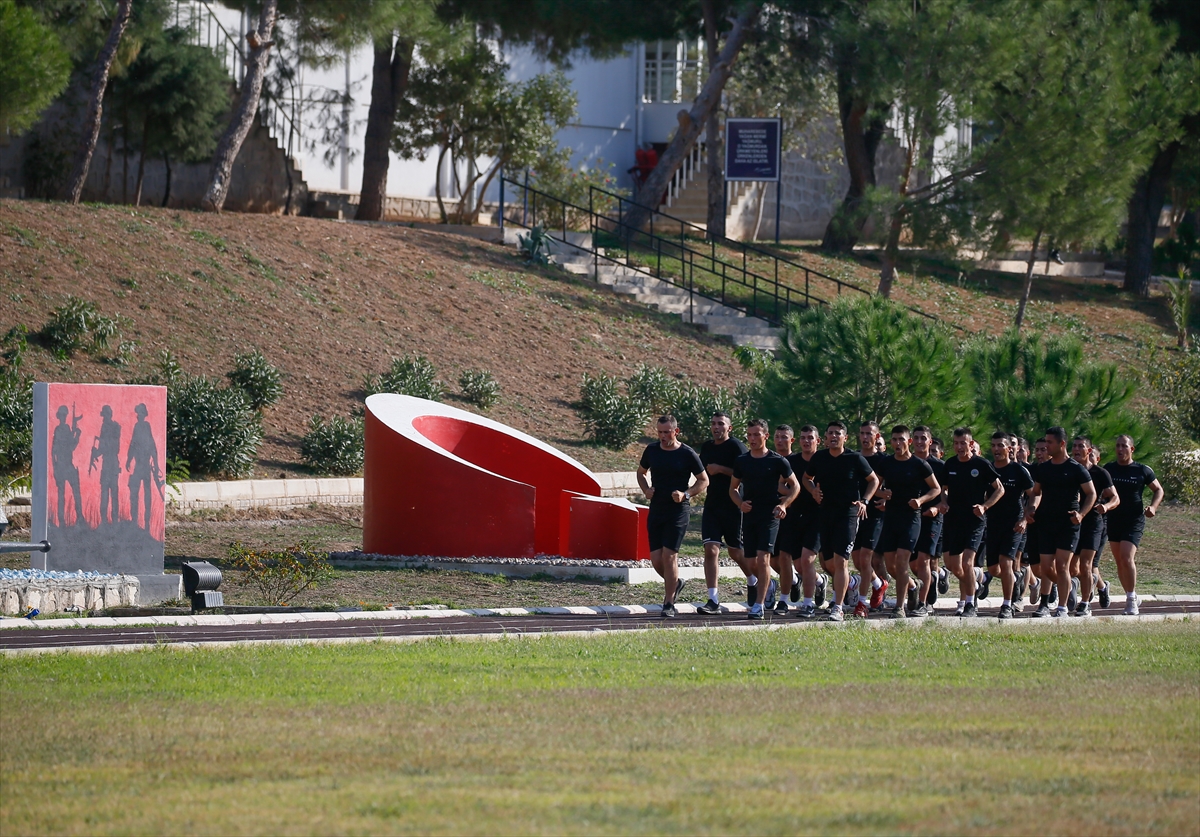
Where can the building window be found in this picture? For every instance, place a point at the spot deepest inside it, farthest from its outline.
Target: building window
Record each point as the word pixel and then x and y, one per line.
pixel 672 71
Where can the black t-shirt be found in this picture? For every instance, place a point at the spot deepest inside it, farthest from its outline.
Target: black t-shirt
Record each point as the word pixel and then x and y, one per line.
pixel 1130 481
pixel 906 480
pixel 724 454
pixel 939 473
pixel 760 478
pixel 670 470
pixel 968 483
pixel 876 460
pixel 1011 507
pixel 1060 488
pixel 842 479
pixel 805 504
pixel 1103 481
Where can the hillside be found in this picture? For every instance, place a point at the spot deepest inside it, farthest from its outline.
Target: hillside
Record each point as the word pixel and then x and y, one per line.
pixel 329 303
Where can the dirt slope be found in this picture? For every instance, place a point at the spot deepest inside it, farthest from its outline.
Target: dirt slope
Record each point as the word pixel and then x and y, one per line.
pixel 329 303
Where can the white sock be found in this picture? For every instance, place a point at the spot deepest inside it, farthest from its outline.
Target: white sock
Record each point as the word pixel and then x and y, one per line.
pixel 713 594
pixel 863 600
pixel 876 583
pixel 808 602
pixel 1131 595
pixel 752 579
pixel 1007 603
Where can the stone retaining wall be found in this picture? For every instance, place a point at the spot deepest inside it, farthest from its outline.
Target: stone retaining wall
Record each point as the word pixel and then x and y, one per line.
pixel 57 595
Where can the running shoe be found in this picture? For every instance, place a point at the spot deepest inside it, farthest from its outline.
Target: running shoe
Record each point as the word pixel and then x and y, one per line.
pixel 772 593
pixel 1054 592
pixel 819 595
pixel 1006 612
pixel 751 594
pixel 1042 611
pixel 756 611
pixel 959 611
pixel 1073 596
pixel 878 595
pixel 709 608
pixel 912 599
pixel 1018 605
pixel 943 584
pixel 970 610
pixel 679 582
pixel 921 610
pixel 1131 605
pixel 806 611
pixel 794 596
pixel 1082 609
pixel 1105 599
pixel 835 615
pixel 861 610
pixel 933 594
pixel 1095 587
pixel 781 607
pixel 1035 590
pixel 982 592
pixel 668 611
pixel 1060 612
pixel 897 612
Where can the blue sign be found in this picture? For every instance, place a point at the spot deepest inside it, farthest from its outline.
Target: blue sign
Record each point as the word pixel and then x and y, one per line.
pixel 752 149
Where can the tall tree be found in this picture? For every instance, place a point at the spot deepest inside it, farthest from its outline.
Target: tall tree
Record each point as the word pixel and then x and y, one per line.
pixel 95 106
pixel 34 67
pixel 1150 190
pixel 221 172
pixel 713 146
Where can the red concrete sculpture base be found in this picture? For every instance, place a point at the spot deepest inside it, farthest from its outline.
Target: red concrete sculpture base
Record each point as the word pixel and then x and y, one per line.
pixel 441 481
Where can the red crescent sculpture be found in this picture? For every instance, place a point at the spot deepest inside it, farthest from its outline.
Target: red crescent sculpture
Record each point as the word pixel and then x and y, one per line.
pixel 441 481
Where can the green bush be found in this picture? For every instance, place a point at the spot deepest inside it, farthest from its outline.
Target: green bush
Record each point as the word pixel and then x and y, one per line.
pixel 653 388
pixel 281 575
pixel 213 429
pixel 75 325
pixel 333 447
pixel 694 405
pixel 479 387
pixel 254 375
pixel 16 424
pixel 612 418
pixel 409 375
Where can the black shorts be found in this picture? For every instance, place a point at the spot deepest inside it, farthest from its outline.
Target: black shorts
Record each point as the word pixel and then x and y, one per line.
pixel 1022 538
pixel 900 532
pixel 963 532
pixel 838 530
pixel 1091 533
pixel 930 541
pixel 666 526
pixel 759 533
pixel 869 531
pixel 805 532
pixel 788 539
pixel 1056 535
pixel 1002 541
pixel 722 523
pixel 1129 531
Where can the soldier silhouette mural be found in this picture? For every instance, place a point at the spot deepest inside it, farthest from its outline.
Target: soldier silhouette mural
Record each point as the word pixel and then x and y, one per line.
pixel 114 520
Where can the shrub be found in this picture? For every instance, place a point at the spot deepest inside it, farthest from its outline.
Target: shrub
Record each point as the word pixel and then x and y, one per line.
pixel 254 375
pixel 16 423
pixel 653 388
pixel 694 405
pixel 612 418
pixel 1179 472
pixel 14 344
pixel 76 325
pixel 280 575
pixel 409 375
pixel 333 447
pixel 214 429
pixel 479 387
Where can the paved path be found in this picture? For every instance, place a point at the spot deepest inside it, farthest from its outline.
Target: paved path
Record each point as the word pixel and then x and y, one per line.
pixel 217 631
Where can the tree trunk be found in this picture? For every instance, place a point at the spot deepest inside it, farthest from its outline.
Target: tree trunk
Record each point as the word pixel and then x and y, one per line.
pixel 112 140
pixel 167 191
pixel 125 158
pixel 389 81
pixel 437 185
pixel 239 126
pixel 712 137
pixel 1028 281
pixel 691 122
pixel 1145 206
pixel 95 108
pixel 891 250
pixel 141 175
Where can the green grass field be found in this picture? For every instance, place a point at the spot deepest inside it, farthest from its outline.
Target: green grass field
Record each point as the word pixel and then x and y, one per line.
pixel 1063 730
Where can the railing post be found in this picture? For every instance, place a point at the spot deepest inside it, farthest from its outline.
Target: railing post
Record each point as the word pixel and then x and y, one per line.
pixel 502 206
pixel 525 202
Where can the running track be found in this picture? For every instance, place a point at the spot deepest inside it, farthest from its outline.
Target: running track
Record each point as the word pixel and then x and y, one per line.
pixel 334 628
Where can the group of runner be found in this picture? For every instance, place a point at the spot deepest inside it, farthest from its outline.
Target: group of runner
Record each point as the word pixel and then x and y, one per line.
pixel 815 515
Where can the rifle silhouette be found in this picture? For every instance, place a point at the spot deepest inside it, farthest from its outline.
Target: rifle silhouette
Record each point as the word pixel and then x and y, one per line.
pixel 160 481
pixel 95 455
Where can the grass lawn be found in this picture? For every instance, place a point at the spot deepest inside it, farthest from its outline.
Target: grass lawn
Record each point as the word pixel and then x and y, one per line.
pixel 1081 730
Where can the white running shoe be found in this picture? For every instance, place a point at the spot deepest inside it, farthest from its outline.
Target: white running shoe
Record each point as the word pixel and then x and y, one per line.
pixel 1131 605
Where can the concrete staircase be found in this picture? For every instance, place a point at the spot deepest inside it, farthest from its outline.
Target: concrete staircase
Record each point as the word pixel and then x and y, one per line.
pixel 577 255
pixel 691 203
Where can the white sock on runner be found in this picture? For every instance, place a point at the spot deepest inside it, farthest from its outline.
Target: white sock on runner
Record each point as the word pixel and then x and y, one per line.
pixel 713 594
pixel 863 600
pixel 876 583
pixel 752 580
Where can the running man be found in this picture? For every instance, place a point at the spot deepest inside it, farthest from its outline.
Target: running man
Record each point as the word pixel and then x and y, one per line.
pixel 759 478
pixel 722 520
pixel 1092 530
pixel 1063 494
pixel 971 486
pixel 1098 583
pixel 786 551
pixel 671 465
pixel 805 515
pixel 842 483
pixel 929 544
pixel 1127 522
pixel 908 483
pixel 866 541
pixel 1006 519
